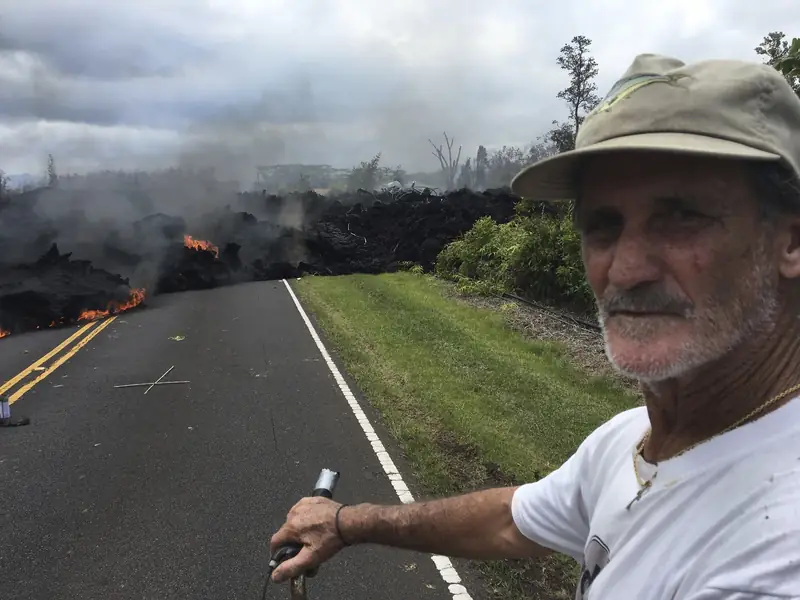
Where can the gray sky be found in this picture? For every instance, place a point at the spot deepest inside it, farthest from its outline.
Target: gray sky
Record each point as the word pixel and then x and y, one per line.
pixel 236 83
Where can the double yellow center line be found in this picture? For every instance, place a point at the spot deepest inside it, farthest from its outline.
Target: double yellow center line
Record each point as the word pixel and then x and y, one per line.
pixel 45 366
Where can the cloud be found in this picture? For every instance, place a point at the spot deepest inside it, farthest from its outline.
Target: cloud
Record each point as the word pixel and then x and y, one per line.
pixel 238 83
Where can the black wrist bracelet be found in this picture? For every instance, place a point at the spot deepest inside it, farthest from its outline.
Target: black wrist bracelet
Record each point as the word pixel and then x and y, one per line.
pixel 338 530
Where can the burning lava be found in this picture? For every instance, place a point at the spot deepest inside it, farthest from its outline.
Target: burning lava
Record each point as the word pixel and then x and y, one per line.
pixel 58 291
pixel 190 242
pixel 349 233
pixel 136 298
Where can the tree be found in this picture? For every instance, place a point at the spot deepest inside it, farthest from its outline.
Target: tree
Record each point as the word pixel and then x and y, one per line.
pixel 365 176
pixel 784 57
pixel 466 178
pixel 562 136
pixel 5 187
pixel 480 168
pixel 52 175
pixel 580 95
pixel 541 149
pixel 503 165
pixel 773 47
pixel 789 65
pixel 448 165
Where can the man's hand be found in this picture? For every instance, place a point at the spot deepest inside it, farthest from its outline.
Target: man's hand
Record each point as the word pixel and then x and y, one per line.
pixel 478 525
pixel 310 523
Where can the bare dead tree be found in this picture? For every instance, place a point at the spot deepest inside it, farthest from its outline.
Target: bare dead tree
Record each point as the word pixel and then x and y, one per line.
pixel 448 165
pixel 5 186
pixel 52 174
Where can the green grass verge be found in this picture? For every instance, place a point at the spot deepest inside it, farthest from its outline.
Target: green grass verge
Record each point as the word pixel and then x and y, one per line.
pixel 469 400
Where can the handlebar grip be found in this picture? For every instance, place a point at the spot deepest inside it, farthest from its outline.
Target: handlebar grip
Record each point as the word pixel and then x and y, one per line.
pixel 325 486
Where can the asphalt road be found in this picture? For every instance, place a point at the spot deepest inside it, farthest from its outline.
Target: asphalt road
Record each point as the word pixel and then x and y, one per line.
pixel 117 494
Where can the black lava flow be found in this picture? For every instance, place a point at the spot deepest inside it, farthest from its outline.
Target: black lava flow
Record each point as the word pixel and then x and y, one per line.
pixel 50 277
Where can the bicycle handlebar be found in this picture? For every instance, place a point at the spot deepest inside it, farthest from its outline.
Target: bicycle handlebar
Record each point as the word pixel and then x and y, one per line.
pixel 325 486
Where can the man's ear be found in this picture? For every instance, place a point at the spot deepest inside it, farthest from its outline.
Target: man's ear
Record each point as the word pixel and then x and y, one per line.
pixel 789 247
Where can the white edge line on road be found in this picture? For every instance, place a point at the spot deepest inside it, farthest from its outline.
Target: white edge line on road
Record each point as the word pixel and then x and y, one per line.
pixel 443 564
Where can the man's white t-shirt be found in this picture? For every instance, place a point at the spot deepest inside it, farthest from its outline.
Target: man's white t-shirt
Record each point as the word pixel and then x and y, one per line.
pixel 721 521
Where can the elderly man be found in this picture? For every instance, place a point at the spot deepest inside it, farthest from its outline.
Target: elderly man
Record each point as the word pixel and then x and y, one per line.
pixel 688 205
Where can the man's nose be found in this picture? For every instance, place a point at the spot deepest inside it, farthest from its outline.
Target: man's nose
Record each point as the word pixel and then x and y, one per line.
pixel 635 260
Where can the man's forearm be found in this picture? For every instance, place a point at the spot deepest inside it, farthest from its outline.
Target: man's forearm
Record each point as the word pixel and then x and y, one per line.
pixel 478 525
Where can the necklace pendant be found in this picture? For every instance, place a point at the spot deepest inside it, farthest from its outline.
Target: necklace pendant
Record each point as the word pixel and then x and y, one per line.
pixel 639 495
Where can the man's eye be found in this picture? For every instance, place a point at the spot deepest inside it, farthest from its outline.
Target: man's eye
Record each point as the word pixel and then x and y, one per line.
pixel 601 232
pixel 600 227
pixel 686 214
pixel 603 222
pixel 690 214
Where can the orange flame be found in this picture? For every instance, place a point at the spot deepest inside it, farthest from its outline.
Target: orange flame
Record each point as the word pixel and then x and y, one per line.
pixel 135 299
pixel 4 333
pixel 190 242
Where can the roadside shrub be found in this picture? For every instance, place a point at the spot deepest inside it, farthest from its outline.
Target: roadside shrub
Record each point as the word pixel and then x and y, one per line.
pixel 410 267
pixel 475 287
pixel 537 257
pixel 486 254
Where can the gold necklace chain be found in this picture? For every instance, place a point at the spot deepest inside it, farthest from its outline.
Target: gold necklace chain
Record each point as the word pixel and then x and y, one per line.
pixel 640 446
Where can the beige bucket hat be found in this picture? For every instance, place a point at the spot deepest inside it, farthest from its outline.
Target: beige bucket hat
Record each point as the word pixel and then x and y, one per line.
pixel 722 108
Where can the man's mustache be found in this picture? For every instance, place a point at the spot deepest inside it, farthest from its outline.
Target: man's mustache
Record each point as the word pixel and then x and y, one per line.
pixel 644 300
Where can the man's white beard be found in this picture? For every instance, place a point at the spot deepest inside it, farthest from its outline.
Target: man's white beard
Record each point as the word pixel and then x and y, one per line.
pixel 720 328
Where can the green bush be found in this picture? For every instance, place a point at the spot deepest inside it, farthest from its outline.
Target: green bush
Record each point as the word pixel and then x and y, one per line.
pixel 484 254
pixel 410 267
pixel 538 257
